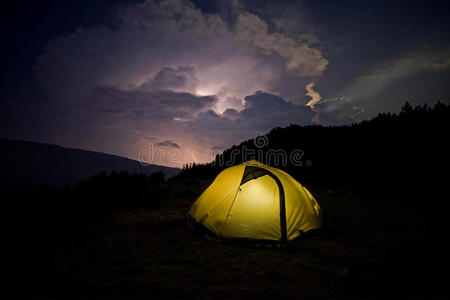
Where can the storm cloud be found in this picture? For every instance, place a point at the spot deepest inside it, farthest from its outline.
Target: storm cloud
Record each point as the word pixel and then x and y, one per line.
pixel 167 62
pixel 168 143
pixel 182 75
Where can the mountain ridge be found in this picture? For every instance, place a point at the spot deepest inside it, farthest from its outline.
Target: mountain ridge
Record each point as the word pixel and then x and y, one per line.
pixel 26 164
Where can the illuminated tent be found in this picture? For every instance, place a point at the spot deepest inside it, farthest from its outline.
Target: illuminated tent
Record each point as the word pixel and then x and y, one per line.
pixel 255 201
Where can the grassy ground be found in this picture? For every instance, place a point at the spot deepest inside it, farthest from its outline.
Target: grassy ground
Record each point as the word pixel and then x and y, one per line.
pixel 379 249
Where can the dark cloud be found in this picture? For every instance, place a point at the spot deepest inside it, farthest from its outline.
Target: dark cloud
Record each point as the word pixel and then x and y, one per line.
pixel 262 103
pixel 231 114
pixel 180 79
pixel 267 111
pixel 164 105
pixel 262 112
pixel 168 143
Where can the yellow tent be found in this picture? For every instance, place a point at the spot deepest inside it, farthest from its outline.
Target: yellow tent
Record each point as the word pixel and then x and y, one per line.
pixel 253 200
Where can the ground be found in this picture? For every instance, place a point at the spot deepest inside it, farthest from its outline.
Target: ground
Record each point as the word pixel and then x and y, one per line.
pixel 379 249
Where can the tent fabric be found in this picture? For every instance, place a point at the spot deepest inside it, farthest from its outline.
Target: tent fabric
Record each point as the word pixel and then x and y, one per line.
pixel 256 201
pixel 253 173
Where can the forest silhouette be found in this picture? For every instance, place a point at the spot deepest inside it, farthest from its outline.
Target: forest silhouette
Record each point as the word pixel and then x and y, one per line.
pixel 402 153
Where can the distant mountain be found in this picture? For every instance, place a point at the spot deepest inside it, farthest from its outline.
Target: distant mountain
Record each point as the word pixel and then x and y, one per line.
pixel 26 165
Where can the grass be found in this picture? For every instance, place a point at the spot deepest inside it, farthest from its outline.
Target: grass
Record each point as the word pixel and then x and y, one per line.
pixel 380 249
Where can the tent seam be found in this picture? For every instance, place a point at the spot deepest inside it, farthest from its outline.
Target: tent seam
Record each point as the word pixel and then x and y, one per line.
pixel 232 204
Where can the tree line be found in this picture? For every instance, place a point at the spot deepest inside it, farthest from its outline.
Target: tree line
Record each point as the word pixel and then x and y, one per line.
pixel 402 153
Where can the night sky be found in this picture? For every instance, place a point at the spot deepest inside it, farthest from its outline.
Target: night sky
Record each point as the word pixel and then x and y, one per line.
pixel 118 76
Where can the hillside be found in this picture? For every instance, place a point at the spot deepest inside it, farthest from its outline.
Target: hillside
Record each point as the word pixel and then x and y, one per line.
pixel 402 153
pixel 30 165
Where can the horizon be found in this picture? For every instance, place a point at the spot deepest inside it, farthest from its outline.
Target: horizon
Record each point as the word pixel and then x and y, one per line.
pixel 171 159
